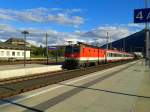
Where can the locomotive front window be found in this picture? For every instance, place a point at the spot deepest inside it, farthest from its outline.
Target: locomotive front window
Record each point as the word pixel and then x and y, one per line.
pixel 68 49
pixel 72 49
pixel 76 50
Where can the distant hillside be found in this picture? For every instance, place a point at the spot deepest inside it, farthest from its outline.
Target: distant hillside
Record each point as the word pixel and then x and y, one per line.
pixel 131 43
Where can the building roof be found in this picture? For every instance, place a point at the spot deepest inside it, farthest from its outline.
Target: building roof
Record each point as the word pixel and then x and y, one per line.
pixel 13 47
pixel 18 41
pixel 15 40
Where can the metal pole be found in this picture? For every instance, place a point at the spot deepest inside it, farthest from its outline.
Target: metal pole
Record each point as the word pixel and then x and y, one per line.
pixel 107 47
pixel 47 47
pixel 56 55
pixel 24 49
pixel 110 42
pixel 147 60
pixel 25 33
pixel 124 44
pixel 147 46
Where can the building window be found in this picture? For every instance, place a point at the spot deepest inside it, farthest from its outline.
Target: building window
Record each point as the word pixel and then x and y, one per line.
pixel 22 53
pixel 18 53
pixel 2 53
pixel 8 53
pixel 13 53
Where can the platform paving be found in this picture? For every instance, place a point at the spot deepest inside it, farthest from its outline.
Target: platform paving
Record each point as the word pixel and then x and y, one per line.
pixel 20 66
pixel 19 70
pixel 124 91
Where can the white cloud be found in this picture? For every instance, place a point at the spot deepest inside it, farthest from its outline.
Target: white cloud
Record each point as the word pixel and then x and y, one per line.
pixel 43 15
pixel 136 25
pixel 114 32
pixel 35 43
pixel 66 20
pixel 37 36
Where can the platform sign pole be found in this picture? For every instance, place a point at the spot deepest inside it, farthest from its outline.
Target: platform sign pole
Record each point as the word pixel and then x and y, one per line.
pixel 147 40
pixel 143 16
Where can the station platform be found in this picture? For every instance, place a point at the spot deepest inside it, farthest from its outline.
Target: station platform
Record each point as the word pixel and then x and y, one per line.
pixel 18 70
pixel 125 88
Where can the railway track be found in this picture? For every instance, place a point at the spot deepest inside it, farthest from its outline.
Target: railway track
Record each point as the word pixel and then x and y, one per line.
pixel 16 86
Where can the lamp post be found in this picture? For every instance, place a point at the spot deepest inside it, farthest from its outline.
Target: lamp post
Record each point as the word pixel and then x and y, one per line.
pixel 25 34
pixel 46 47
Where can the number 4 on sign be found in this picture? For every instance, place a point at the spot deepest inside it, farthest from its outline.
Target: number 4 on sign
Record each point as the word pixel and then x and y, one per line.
pixel 140 15
pixel 148 16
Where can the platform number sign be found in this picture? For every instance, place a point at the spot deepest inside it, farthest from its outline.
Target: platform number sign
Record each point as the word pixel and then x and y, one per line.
pixel 142 15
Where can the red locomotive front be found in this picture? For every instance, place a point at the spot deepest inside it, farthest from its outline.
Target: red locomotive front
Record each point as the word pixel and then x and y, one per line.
pixel 82 55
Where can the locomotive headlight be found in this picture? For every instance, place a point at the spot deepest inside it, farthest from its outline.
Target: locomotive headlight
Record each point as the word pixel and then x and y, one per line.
pixel 72 55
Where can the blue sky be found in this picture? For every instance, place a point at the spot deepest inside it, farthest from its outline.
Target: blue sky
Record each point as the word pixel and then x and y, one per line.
pixel 70 18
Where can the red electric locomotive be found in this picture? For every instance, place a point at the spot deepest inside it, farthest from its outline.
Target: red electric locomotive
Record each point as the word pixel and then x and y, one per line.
pixel 82 55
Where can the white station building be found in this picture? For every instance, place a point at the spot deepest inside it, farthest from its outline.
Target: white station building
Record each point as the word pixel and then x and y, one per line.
pixel 9 51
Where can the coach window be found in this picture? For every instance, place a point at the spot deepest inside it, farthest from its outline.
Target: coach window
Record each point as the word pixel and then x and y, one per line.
pixel 114 55
pixel 13 53
pixel 109 54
